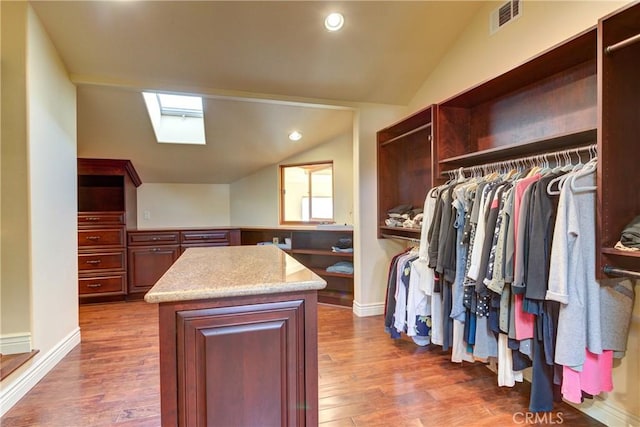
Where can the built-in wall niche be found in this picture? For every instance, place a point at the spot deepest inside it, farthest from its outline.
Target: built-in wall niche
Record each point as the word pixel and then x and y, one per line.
pixel 547 104
pixel 100 193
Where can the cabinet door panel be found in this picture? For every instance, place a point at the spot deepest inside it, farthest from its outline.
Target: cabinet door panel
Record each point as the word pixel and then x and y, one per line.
pixel 261 366
pixel 153 238
pixel 101 218
pixel 114 284
pixel 99 261
pixel 101 237
pixel 205 236
pixel 147 264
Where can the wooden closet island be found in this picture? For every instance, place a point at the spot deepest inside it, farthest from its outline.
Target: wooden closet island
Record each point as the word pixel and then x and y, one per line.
pixel 238 338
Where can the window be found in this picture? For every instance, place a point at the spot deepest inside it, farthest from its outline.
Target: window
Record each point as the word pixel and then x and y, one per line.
pixel 306 193
pixel 176 119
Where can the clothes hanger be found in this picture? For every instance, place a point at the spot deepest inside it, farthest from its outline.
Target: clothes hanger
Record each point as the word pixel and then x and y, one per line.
pixel 589 168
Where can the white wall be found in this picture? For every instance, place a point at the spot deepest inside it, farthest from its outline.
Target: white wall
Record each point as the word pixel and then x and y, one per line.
pixel 183 205
pixel 50 211
pixel 254 199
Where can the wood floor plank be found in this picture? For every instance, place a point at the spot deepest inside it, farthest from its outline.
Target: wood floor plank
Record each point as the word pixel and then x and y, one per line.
pixel 365 378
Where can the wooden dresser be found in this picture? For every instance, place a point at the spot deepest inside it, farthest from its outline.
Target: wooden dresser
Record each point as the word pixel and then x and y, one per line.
pixel 106 207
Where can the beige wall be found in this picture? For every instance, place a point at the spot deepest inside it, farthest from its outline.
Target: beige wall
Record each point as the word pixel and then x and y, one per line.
pixel 254 199
pixel 15 310
pixel 478 56
pixel 40 293
pixel 52 191
pixel 183 205
pixel 371 256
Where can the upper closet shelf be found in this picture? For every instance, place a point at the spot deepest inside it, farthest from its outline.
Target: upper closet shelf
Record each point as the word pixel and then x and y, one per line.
pixel 514 151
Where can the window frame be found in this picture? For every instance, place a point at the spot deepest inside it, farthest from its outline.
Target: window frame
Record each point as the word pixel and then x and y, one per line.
pixel 318 165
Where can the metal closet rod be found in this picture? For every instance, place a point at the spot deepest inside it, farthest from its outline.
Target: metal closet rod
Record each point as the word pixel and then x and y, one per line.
pixel 607 269
pixel 412 131
pixel 537 157
pixel 623 43
pixel 393 236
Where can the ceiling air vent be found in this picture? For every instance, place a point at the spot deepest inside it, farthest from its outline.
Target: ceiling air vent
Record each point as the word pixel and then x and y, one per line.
pixel 504 14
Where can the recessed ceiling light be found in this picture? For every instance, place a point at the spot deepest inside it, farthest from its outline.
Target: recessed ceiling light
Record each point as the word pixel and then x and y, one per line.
pixel 295 136
pixel 334 21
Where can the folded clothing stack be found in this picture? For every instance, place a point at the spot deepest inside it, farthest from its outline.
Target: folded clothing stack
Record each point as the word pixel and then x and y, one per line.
pixel 344 245
pixel 341 267
pixel 630 238
pixel 404 216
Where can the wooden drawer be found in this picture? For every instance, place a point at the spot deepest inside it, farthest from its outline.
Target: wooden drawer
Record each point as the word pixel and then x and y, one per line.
pixel 201 245
pixel 153 238
pixel 114 260
pixel 100 218
pixel 101 237
pixel 204 236
pixel 103 284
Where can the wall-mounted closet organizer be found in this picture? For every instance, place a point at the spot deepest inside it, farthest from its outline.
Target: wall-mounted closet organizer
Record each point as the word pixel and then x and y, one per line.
pixel 619 137
pixel 405 156
pixel 580 92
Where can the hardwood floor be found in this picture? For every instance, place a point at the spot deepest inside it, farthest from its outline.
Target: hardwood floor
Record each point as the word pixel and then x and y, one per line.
pixel 11 362
pixel 366 379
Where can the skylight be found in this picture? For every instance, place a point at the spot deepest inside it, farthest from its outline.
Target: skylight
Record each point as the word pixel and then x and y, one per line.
pixel 176 119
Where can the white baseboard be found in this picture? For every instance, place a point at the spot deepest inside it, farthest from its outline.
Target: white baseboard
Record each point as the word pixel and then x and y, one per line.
pixel 606 413
pixel 15 343
pixel 16 388
pixel 598 408
pixel 365 310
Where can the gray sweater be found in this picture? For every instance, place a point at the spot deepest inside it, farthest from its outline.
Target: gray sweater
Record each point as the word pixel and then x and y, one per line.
pixel 572 278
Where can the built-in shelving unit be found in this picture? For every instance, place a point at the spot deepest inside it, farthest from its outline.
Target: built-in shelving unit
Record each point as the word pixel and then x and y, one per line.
pixel 619 138
pixel 547 104
pixel 312 247
pixel 405 174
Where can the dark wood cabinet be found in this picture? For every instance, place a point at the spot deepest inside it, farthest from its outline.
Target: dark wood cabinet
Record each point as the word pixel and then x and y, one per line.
pixel 106 207
pixel 618 194
pixel 150 255
pixel 204 238
pixel 547 104
pixel 313 248
pixel 404 164
pixel 255 351
pixel 152 252
pixel 147 264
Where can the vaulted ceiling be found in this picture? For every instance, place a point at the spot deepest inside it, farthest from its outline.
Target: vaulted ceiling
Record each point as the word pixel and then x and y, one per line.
pixel 264 68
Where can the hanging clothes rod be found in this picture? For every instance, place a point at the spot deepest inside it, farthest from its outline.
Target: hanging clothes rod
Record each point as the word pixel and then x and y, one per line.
pixel 412 131
pixel 607 269
pixel 537 157
pixel 393 236
pixel 623 43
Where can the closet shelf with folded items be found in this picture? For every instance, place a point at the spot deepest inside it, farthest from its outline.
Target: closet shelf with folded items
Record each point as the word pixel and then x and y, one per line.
pixel 505 272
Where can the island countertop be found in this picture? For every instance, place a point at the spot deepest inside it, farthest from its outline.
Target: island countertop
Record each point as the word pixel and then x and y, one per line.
pixel 229 271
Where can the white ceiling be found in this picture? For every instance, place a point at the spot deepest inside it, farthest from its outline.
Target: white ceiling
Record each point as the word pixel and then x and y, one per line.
pixel 265 68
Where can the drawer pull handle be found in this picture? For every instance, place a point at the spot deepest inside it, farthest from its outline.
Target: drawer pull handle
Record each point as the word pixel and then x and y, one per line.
pixel 155 239
pixel 93 261
pixel 93 218
pixel 94 285
pixel 93 238
pixel 154 249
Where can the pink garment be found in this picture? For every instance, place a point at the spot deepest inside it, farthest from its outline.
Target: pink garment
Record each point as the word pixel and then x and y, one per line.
pixel 596 377
pixel 524 322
